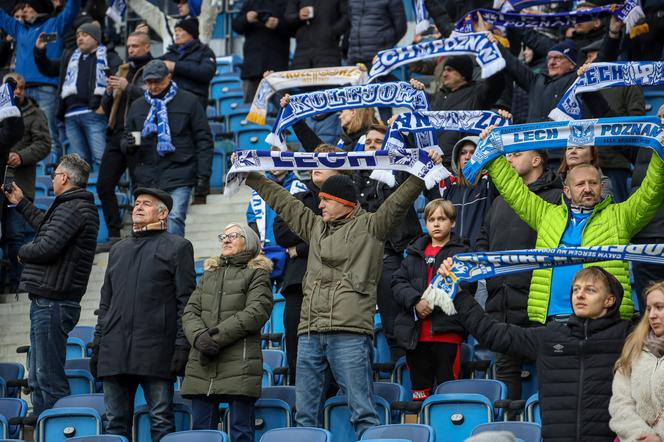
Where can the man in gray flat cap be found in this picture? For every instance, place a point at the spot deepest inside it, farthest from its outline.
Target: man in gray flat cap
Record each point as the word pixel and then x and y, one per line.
pixel 167 132
pixel 139 338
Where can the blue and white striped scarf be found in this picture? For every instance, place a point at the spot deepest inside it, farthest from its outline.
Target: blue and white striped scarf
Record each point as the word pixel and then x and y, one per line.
pixel 421 16
pixel 486 53
pixel 71 76
pixel 630 13
pixel 157 120
pixel 644 132
pixel 469 267
pixel 117 10
pixel 393 94
pixel 606 75
pixel 8 106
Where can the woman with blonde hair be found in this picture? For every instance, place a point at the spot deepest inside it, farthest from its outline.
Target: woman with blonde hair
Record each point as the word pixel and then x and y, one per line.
pixel 575 155
pixel 637 404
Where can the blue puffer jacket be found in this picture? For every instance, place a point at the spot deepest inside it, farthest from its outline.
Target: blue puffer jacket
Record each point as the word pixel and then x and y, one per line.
pixel 26 35
pixel 375 25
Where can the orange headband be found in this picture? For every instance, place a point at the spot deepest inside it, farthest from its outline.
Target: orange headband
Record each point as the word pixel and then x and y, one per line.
pixel 337 199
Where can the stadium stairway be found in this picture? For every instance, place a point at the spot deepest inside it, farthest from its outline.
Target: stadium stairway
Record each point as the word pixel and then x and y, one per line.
pixel 204 223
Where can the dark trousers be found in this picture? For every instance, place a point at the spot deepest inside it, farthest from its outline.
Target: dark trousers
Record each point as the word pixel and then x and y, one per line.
pixel 431 364
pixel 508 370
pixel 242 415
pixel 113 165
pixel 119 392
pixel 387 306
pixel 291 322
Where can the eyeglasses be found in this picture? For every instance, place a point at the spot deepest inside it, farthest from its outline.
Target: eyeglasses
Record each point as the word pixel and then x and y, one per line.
pixel 54 174
pixel 231 236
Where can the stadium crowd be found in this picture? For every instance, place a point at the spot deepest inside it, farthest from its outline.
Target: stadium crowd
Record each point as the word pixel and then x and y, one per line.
pixel 348 245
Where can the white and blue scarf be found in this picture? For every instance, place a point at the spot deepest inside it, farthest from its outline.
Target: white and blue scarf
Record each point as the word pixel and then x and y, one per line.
pixel 393 94
pixel 8 108
pixel 413 161
pixel 630 13
pixel 606 75
pixel 646 132
pixel 117 10
pixel 157 120
pixel 69 83
pixel 469 267
pixel 421 16
pixel 486 53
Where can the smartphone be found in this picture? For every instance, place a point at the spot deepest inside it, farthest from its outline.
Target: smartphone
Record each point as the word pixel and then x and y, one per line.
pixel 49 37
pixel 8 179
pixel 108 72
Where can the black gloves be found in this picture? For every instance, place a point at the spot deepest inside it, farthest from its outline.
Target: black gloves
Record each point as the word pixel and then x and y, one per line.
pixel 179 361
pixel 128 144
pixel 10 81
pixel 94 360
pixel 202 190
pixel 205 344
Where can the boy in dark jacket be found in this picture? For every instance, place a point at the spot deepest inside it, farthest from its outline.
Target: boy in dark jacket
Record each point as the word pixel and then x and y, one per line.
pixel 431 339
pixel 574 360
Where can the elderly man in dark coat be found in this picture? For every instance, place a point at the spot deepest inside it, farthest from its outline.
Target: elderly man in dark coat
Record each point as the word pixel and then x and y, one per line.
pixel 139 338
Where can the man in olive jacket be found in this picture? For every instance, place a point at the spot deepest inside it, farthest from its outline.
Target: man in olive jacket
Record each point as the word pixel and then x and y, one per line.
pixel 346 246
pixel 139 338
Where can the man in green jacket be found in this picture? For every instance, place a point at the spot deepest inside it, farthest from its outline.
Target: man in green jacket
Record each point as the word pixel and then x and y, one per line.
pixel 346 246
pixel 582 219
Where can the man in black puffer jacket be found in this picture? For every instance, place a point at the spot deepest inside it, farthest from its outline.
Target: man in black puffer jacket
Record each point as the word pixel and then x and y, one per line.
pixel 374 25
pixel 57 265
pixel 574 360
pixel 503 230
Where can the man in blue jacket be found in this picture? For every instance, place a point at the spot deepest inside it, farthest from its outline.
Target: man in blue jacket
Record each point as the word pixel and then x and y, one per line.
pixel 38 20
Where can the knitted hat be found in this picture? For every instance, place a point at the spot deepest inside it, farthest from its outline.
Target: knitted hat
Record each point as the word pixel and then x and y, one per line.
pixel 567 49
pixel 161 195
pixel 189 25
pixel 341 189
pixel 92 29
pixel 463 64
pixel 41 6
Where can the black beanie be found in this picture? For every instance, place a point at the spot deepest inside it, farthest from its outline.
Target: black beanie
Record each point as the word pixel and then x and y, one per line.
pixel 41 6
pixel 462 64
pixel 339 188
pixel 189 25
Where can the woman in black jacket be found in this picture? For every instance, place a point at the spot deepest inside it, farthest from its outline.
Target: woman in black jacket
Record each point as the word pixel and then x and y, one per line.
pixel 431 339
pixel 575 360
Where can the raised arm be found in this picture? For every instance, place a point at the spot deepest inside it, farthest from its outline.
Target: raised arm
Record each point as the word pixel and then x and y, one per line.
pixel 152 15
pixel 393 210
pixel 521 73
pixel 642 205
pixel 9 24
pixel 66 18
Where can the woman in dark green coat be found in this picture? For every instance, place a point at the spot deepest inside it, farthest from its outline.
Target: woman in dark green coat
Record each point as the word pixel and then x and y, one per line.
pixel 223 321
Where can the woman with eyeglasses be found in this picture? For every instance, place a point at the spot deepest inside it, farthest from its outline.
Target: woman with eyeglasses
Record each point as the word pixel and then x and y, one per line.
pixel 575 155
pixel 223 321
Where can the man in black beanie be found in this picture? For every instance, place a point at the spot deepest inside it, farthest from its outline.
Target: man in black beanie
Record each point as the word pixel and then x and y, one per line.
pixel 344 264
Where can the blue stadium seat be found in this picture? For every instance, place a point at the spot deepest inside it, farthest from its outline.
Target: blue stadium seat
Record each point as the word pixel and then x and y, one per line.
pixel 252 136
pixel 83 364
pixel 271 414
pixel 337 417
pixel 198 266
pixel 491 389
pixel 453 416
pixel 533 413
pixel 43 186
pixel 222 83
pixel 10 371
pixel 183 418
pixel 525 431
pixel 402 374
pixel 196 435
pixel 218 169
pixel 392 392
pixel 85 333
pixel 99 438
pixel 80 381
pixel 44 202
pixel 76 348
pixel 298 434
pixel 277 316
pixel 411 432
pixel 275 359
pixel 528 380
pixel 236 119
pixel 229 101
pixel 229 63
pixel 61 424
pixel 9 408
pixel 268 376
pixel 217 129
pixel 382 352
pixel 285 393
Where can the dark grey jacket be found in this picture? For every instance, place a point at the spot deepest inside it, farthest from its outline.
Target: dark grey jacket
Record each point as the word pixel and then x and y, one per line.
pixel 194 68
pixel 374 25
pixel 33 147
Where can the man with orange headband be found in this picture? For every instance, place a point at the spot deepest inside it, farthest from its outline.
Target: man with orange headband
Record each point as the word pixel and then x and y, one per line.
pixel 346 246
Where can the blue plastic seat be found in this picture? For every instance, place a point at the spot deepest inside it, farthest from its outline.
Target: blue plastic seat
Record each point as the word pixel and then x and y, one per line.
pixel 85 333
pixel 298 434
pixel 99 438
pixel 9 408
pixel 492 389
pixel 76 348
pixel 402 374
pixel 453 416
pixel 95 401
pixel 337 417
pixel 44 202
pixel 382 352
pixel 275 359
pixel 10 371
pixel 526 431
pixel 228 102
pixel 252 136
pixel 196 435
pixel 268 376
pixel 60 424
pixel 228 63
pixel 271 414
pixel 80 381
pixel 411 432
pixel 183 418
pixel 83 364
pixel 533 413
pixel 285 393
pixel 529 381
pixel 392 392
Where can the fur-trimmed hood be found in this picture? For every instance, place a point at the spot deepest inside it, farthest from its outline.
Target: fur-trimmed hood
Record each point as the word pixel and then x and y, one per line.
pixel 260 261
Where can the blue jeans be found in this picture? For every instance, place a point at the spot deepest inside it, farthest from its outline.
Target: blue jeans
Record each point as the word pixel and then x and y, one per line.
pixel 205 413
pixel 119 392
pixel 50 322
pixel 178 216
pixel 47 99
pixel 87 135
pixel 16 232
pixel 348 358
